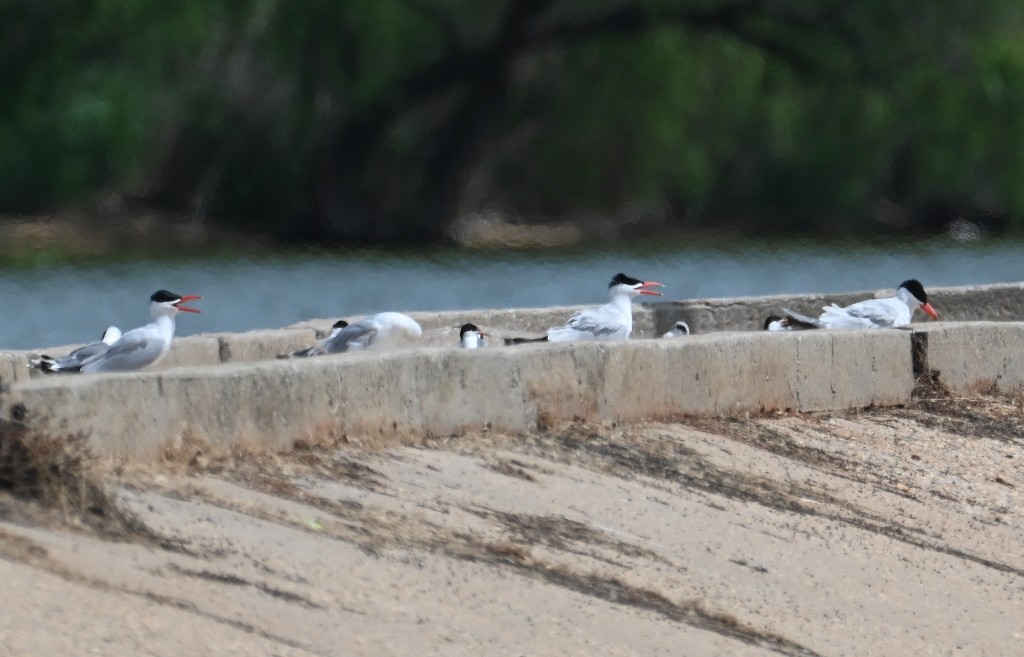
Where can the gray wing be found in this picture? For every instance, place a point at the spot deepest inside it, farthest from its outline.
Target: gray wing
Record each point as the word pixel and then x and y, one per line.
pixel 88 351
pixel 73 361
pixel 130 353
pixel 876 310
pixel 590 321
pixel 356 336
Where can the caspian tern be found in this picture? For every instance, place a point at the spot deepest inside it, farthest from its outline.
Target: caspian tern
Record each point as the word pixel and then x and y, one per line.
pixel 144 345
pixel 471 337
pixel 891 312
pixel 380 331
pixel 74 360
pixel 612 321
pixel 678 329
pixel 318 348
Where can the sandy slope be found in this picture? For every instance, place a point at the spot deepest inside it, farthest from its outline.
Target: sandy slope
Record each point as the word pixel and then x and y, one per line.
pixel 877 532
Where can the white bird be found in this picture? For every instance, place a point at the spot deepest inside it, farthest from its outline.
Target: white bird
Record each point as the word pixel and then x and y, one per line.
pixel 678 329
pixel 318 348
pixel 74 360
pixel 144 345
pixel 471 337
pixel 613 320
pixel 380 331
pixel 891 312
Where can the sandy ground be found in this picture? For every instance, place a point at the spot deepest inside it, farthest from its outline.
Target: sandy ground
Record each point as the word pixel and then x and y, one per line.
pixel 874 532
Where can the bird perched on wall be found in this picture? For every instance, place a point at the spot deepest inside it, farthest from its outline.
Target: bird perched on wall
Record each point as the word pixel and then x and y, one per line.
pixel 678 329
pixel 612 321
pixel 890 312
pixel 775 323
pixel 74 360
pixel 381 331
pixel 471 337
pixel 317 349
pixel 141 346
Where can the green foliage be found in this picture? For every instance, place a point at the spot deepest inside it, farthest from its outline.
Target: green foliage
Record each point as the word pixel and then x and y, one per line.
pixel 338 119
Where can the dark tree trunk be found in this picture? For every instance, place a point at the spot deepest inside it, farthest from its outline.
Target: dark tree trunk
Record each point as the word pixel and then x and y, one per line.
pixel 348 204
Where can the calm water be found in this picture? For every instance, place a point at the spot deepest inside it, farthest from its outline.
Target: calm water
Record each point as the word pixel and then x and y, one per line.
pixel 59 305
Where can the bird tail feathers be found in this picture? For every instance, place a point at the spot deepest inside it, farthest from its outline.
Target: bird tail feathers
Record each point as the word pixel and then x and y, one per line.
pixel 802 321
pixel 51 365
pixel 525 340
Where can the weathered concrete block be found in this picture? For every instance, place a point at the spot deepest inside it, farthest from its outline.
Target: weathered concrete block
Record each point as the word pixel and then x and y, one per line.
pixel 730 372
pixel 976 356
pixel 262 345
pixel 848 369
pixel 10 366
pixel 190 351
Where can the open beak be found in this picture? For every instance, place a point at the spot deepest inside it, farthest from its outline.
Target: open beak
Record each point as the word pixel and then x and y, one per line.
pixel 187 297
pixel 928 310
pixel 646 284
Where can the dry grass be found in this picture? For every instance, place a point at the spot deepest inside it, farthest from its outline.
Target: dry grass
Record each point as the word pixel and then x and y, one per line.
pixel 61 482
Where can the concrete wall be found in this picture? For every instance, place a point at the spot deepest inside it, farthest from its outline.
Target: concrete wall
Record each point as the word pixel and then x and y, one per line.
pixel 229 389
pixel 445 391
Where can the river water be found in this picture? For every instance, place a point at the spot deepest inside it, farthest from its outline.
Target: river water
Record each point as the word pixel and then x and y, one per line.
pixel 57 305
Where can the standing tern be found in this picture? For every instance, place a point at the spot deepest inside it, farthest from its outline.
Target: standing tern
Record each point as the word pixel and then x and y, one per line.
pixel 74 360
pixel 144 345
pixel 678 329
pixel 612 321
pixel 891 312
pixel 471 337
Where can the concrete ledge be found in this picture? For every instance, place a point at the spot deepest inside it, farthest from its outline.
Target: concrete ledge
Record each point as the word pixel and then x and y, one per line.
pixel 262 345
pixel 447 391
pixel 976 356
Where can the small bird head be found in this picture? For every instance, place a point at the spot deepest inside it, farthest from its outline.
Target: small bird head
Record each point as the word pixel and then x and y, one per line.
pixel 470 336
pixel 916 291
pixel 163 301
pixel 633 286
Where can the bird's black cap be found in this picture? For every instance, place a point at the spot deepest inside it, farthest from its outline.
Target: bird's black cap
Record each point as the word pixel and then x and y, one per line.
pixel 771 318
pixel 914 287
pixel 163 296
pixel 339 324
pixel 467 328
pixel 622 279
